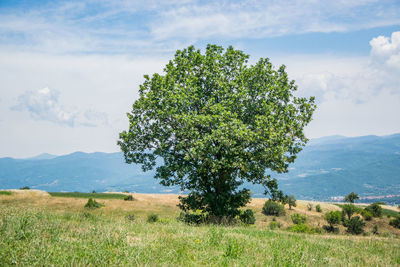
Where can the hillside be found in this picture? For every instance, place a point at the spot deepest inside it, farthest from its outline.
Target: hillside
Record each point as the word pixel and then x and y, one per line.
pixel 327 167
pixel 59 231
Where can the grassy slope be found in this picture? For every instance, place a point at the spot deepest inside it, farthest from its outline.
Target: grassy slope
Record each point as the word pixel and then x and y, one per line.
pixel 87 195
pixel 43 230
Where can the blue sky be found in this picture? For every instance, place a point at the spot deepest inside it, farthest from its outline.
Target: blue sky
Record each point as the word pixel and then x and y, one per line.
pixel 71 69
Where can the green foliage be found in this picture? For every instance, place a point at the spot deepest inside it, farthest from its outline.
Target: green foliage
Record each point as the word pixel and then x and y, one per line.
pixel 247 216
pixel 87 195
pixel 25 188
pixel 93 204
pixel 6 193
pixel 349 210
pixel 298 218
pixel 152 218
pixel 309 206
pixel 351 197
pixel 216 122
pixel 273 208
pixel 375 230
pixel 191 217
pixel 333 218
pixel 318 208
pixel 366 215
pixel 128 198
pixel 375 209
pixel 303 228
pixel 395 222
pixel 355 225
pixel 274 224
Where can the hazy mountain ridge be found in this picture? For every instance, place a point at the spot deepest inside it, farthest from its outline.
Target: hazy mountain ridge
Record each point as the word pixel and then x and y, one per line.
pixel 327 167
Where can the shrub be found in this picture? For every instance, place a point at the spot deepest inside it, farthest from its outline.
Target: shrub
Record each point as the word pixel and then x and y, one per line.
pixel 299 228
pixel 355 225
pixel 273 208
pixel 130 217
pixel 247 216
pixel 7 193
pixel 192 217
pixel 298 218
pixel 318 208
pixel 25 188
pixel 291 201
pixel 375 209
pixel 93 204
pixel 366 215
pixel 349 209
pixel 395 222
pixel 332 217
pixel 125 191
pixel 274 224
pixel 375 229
pixel 309 206
pixel 128 198
pixel 152 218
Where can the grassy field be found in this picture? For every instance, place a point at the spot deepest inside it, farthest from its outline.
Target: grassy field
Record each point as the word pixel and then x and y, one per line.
pixel 88 195
pixel 38 229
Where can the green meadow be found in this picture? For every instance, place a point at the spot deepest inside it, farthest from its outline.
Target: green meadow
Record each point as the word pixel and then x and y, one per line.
pixel 44 230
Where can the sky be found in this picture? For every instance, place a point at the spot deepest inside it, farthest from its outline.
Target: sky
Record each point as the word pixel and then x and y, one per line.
pixel 70 70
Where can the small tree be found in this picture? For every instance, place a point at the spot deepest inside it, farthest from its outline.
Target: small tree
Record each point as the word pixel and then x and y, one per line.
pixel 291 201
pixel 351 197
pixel 212 121
pixel 333 218
pixel 349 209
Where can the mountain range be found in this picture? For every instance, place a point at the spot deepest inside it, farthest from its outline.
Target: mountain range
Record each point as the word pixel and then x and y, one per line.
pixel 326 168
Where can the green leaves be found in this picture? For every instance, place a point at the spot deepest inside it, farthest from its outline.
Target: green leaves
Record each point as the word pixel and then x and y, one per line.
pixel 216 121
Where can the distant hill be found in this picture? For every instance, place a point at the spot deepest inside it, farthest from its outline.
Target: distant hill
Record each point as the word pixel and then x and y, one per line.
pixel 327 167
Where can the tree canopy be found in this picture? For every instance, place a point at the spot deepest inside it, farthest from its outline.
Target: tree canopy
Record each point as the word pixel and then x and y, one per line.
pixel 216 121
pixel 351 197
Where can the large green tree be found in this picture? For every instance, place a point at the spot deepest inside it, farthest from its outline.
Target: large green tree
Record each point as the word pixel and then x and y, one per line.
pixel 216 121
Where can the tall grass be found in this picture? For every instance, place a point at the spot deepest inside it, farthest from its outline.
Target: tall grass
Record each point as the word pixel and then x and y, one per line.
pixel 33 236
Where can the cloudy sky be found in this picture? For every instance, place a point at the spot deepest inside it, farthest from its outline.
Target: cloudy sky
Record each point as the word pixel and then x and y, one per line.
pixel 70 70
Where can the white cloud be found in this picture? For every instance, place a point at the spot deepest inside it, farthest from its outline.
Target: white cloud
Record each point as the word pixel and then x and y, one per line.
pixel 364 82
pixel 44 105
pixel 159 26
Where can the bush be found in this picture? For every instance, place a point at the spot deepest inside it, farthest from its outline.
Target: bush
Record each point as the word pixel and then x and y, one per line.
pixel 298 218
pixel 303 228
pixel 309 206
pixel 355 225
pixel 93 204
pixel 273 208
pixel 192 217
pixel 318 208
pixel 274 224
pixel 291 201
pixel 332 217
pixel 128 198
pixel 375 209
pixel 395 222
pixel 130 217
pixel 25 188
pixel 366 215
pixel 152 218
pixel 375 229
pixel 247 216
